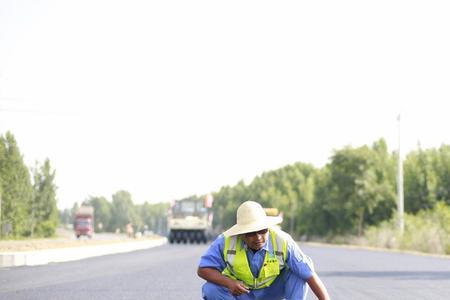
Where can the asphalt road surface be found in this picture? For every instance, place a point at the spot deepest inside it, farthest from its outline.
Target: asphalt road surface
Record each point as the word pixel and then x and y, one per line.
pixel 169 272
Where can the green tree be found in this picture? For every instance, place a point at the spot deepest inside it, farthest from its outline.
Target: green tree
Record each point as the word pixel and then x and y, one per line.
pixel 420 180
pixel 74 210
pixel 319 218
pixel 43 209
pixel 65 217
pixel 224 208
pixel 358 182
pixel 123 211
pixel 154 216
pixel 102 212
pixel 385 168
pixel 442 168
pixel 226 201
pixel 16 187
pixel 290 189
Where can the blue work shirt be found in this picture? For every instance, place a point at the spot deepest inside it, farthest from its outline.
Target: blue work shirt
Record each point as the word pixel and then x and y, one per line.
pixel 300 264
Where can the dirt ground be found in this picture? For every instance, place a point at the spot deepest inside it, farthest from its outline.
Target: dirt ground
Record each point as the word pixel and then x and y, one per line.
pixel 64 239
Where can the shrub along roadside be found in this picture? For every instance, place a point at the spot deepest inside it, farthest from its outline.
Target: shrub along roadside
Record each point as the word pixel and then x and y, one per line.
pixel 427 231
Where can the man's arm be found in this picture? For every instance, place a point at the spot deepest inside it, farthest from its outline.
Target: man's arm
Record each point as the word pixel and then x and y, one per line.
pixel 318 287
pixel 212 275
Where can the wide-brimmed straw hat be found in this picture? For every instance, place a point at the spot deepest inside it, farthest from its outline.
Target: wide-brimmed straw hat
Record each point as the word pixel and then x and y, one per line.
pixel 251 217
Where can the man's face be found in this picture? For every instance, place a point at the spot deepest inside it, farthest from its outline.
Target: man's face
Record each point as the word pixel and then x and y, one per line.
pixel 255 240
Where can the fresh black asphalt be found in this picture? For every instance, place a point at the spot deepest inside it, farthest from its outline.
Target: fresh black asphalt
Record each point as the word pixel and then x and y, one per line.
pixel 169 272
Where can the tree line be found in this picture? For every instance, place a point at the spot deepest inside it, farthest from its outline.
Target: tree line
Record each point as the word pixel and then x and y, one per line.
pixel 352 194
pixel 114 215
pixel 354 191
pixel 355 194
pixel 27 195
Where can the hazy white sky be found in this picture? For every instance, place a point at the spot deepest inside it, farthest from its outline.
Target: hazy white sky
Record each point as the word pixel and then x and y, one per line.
pixel 167 99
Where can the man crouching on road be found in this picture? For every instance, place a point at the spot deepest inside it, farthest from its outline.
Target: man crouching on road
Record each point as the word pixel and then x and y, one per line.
pixel 253 260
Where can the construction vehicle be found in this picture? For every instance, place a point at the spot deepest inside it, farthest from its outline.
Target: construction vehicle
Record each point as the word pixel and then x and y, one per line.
pixel 84 221
pixel 275 214
pixel 190 220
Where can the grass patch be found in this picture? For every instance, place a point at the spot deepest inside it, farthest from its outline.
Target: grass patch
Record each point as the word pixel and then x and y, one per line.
pixel 427 231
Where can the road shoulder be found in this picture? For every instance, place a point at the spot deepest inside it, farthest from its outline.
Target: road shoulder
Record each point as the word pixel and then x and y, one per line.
pixel 40 252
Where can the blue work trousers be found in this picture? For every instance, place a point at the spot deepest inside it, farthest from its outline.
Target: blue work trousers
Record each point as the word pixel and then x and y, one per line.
pixel 286 286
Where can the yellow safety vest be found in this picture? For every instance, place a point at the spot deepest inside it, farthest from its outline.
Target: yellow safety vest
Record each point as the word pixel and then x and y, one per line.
pixel 237 263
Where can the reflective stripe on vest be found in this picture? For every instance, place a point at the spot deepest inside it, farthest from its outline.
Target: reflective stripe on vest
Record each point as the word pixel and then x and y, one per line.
pixel 239 269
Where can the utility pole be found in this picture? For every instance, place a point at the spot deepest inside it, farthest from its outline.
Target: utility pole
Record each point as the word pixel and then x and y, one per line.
pixel 400 202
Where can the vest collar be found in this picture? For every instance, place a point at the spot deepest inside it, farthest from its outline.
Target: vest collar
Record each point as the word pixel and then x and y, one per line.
pixel 265 247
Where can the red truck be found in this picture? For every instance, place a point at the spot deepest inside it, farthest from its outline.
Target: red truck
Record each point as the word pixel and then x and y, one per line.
pixel 84 221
